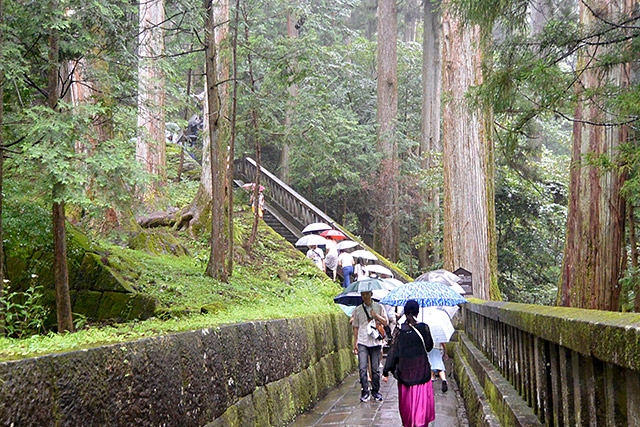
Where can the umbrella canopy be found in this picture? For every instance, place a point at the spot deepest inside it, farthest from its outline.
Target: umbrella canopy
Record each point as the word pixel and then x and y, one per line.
pixel 445 277
pixel 311 240
pixel 315 227
pixel 392 281
pixel 378 269
pixel 346 244
pixel 361 253
pixel 252 185
pixel 427 294
pixel 439 323
pixel 351 299
pixel 333 234
pixel 365 285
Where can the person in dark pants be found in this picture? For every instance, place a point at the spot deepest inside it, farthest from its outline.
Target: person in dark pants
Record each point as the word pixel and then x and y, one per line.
pixel 408 361
pixel 367 345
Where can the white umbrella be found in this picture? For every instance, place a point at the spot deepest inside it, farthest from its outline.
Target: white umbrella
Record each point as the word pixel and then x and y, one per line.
pixel 361 253
pixel 316 226
pixel 445 277
pixel 394 282
pixel 311 239
pixel 439 323
pixel 346 244
pixel 379 269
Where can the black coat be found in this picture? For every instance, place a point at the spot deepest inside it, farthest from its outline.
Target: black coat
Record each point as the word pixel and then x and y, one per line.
pixel 407 359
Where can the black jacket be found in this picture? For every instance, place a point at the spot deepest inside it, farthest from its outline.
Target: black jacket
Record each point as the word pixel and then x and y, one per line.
pixel 407 359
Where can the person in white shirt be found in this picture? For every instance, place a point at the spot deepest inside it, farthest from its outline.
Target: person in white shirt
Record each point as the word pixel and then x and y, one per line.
pixel 316 255
pixel 367 344
pixel 345 260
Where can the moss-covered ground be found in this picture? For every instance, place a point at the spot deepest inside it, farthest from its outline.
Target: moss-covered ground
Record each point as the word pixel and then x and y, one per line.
pixel 274 280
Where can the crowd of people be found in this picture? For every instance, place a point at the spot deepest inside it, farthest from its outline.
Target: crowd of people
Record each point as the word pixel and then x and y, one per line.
pixel 413 357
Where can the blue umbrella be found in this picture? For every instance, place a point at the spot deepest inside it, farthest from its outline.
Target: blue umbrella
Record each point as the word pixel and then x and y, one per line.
pixel 427 294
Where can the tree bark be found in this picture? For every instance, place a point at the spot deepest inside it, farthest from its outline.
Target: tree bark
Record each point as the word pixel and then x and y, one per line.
pixel 469 229
pixel 411 19
pixel 591 267
pixel 430 142
pixel 257 145
pixel 2 314
pixel 216 266
pixel 292 33
pixel 61 270
pixel 633 243
pixel 232 137
pixel 387 229
pixel 151 143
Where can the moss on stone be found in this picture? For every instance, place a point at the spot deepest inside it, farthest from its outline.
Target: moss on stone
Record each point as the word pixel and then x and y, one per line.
pixel 157 242
pixel 97 276
pixel 86 303
pixel 261 405
pixel 280 402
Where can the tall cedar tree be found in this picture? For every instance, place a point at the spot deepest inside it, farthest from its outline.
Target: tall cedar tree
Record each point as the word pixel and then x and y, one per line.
pixel 469 215
pixel 595 224
pixel 61 268
pixel 386 238
pixel 216 267
pixel 151 149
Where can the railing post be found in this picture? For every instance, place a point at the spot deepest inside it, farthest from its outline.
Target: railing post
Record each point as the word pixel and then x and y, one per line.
pixel 566 387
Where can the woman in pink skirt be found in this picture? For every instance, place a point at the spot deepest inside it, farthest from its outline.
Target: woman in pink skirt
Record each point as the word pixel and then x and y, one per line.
pixel 408 362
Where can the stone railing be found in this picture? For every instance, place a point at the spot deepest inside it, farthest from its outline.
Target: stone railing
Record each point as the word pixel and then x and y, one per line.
pixel 257 373
pixel 572 366
pixel 299 210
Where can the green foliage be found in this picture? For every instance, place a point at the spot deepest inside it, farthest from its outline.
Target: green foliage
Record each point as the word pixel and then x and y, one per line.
pixel 23 312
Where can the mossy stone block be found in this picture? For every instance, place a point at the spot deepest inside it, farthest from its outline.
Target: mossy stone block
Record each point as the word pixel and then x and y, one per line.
pixel 301 390
pixel 86 303
pixel 261 405
pixel 311 354
pixel 95 275
pixel 281 406
pixel 157 243
pixel 237 352
pixel 213 380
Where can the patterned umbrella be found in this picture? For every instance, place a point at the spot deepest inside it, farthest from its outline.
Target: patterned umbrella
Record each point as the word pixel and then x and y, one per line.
pixel 427 294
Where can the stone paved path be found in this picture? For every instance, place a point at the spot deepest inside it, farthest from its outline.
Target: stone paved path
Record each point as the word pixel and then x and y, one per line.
pixel 342 407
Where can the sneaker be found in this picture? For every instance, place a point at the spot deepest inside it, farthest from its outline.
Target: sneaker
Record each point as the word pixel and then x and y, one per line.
pixel 365 396
pixel 445 387
pixel 377 396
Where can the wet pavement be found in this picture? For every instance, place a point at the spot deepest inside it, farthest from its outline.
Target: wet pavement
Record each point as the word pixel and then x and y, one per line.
pixel 342 407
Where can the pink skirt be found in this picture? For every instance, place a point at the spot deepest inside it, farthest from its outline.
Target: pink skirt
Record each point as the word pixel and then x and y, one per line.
pixel 416 404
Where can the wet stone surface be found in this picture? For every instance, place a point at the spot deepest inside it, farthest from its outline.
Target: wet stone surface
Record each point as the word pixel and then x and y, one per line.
pixel 342 407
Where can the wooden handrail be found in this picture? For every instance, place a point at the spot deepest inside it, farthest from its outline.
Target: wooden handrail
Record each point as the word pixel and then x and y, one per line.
pixel 298 208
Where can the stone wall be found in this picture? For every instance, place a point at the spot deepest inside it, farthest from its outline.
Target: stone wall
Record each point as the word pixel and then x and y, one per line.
pixel 258 373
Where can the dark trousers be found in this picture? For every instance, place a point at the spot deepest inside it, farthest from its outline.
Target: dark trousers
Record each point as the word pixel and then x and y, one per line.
pixel 364 353
pixel 347 271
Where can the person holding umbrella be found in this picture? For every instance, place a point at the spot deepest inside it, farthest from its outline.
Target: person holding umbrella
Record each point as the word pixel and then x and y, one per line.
pixel 345 260
pixel 367 343
pixel 408 362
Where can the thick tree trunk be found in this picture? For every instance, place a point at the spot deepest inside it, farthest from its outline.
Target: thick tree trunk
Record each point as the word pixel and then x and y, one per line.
pixel 61 270
pixel 411 13
pixel 387 239
pixel 430 142
pixel 232 137
pixel 633 243
pixel 468 157
pixel 2 314
pixel 292 33
pixel 197 213
pixel 258 150
pixel 595 223
pixel 151 144
pixel 216 267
